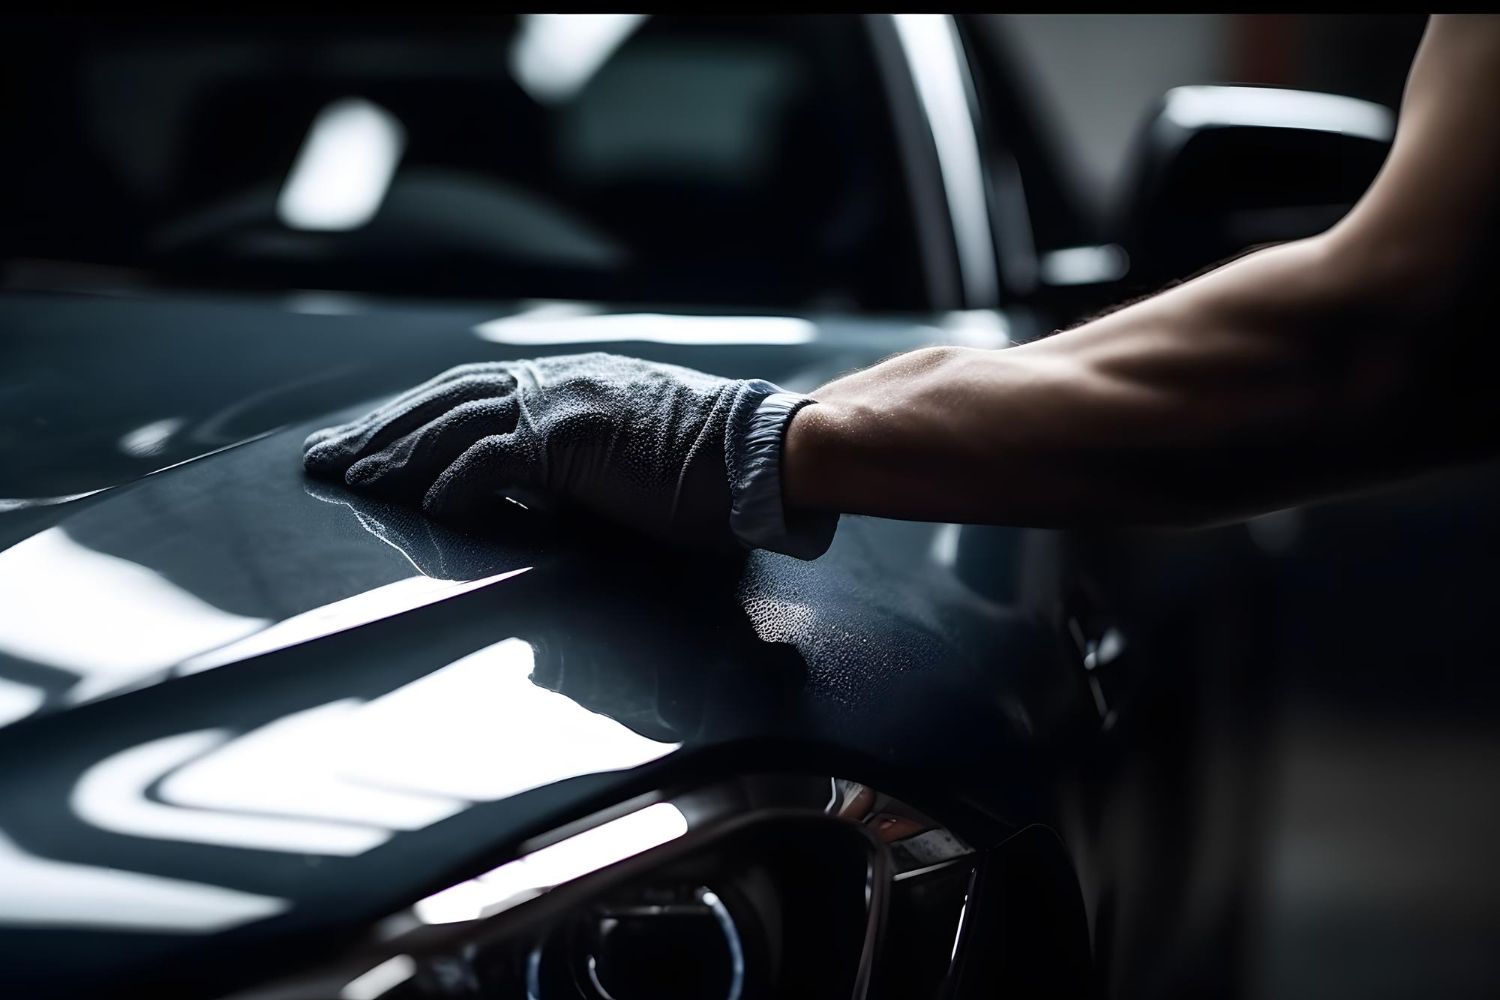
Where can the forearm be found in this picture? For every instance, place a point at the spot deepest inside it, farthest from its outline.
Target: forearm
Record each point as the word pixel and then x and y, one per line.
pixel 1436 197
pixel 1268 381
pixel 1311 368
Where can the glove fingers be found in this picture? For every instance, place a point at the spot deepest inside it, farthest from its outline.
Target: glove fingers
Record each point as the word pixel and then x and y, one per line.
pixel 317 437
pixel 402 399
pixel 451 375
pixel 406 468
pixel 487 466
pixel 333 455
pixel 331 452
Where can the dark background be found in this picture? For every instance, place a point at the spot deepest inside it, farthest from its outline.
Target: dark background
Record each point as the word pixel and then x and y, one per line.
pixel 1098 74
pixel 1376 854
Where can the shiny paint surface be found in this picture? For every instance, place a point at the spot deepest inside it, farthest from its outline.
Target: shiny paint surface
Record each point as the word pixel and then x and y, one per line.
pixel 249 713
pixel 100 390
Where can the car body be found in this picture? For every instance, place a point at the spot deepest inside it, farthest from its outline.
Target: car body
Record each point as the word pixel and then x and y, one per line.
pixel 265 737
pixel 197 828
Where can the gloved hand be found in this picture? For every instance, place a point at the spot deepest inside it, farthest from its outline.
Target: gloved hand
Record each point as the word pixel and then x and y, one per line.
pixel 679 454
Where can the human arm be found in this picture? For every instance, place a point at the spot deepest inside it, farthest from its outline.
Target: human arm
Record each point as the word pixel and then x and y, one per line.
pixel 1305 369
pixel 1309 368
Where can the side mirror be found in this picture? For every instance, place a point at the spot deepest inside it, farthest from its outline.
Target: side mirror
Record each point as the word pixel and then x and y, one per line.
pixel 1217 170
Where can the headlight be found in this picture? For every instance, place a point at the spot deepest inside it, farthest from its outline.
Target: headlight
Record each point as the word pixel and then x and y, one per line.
pixel 660 942
pixel 759 887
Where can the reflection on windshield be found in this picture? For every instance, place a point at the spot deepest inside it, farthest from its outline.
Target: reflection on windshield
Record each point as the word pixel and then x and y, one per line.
pixel 342 778
pixel 555 55
pixel 733 160
pixel 344 168
pixel 40 892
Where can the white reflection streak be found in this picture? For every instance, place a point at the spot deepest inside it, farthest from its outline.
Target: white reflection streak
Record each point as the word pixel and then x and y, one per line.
pixel 18 700
pixel 111 795
pixel 556 864
pixel 361 609
pixel 985 329
pixel 8 504
pixel 332 780
pixel 931 45
pixel 39 891
pixel 1195 107
pixel 945 545
pixel 380 980
pixel 1085 265
pixel 151 439
pixel 285 768
pixel 958 932
pixel 555 55
pixel 108 619
pixel 344 168
pixel 656 328
pixel 480 729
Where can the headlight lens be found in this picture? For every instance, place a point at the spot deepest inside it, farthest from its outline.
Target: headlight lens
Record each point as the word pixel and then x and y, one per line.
pixel 674 943
pixel 760 887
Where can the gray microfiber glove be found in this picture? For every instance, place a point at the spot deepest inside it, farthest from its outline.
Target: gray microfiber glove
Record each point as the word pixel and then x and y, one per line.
pixel 678 454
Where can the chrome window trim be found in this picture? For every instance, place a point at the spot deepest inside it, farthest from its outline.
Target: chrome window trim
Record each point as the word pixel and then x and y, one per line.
pixel 937 65
pixel 925 189
pixel 1009 209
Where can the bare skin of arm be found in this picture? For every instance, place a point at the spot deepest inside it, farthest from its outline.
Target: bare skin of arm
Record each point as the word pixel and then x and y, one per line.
pixel 1311 368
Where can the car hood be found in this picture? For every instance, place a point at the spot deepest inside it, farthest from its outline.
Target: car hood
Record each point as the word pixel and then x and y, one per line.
pixel 249 712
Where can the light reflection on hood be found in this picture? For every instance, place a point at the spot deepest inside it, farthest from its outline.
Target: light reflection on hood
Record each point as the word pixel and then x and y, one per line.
pixel 108 620
pixel 555 864
pixel 18 700
pixel 372 605
pixel 547 326
pixel 342 778
pixel 41 892
pixel 115 624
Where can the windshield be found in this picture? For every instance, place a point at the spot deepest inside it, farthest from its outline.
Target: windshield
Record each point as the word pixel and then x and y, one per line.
pixel 717 160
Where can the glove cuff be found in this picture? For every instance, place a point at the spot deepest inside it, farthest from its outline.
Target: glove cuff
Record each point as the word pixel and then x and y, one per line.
pixel 752 452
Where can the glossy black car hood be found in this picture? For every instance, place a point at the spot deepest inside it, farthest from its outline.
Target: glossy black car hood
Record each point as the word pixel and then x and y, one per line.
pixel 249 713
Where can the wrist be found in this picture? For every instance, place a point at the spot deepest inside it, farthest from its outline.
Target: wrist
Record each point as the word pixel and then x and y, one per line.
pixel 806 434
pixel 755 459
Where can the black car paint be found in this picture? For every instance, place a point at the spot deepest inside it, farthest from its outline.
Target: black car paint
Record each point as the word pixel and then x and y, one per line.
pixel 875 661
